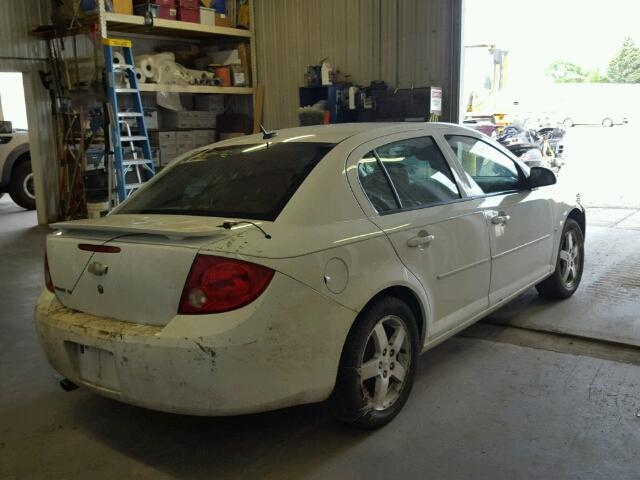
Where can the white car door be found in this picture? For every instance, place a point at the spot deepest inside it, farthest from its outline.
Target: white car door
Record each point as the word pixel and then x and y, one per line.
pixel 407 188
pixel 519 219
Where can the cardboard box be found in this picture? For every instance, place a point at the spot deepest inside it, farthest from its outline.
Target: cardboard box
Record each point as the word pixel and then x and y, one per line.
pixel 167 155
pixel 209 103
pixel 207 16
pixel 182 119
pixel 223 21
pixel 186 137
pixel 158 137
pixel 203 137
pixel 123 6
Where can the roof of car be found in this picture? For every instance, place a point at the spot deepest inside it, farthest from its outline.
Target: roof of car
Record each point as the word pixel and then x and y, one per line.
pixel 336 133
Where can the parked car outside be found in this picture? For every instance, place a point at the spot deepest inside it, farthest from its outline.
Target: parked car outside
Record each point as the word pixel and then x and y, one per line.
pixel 16 177
pixel 257 274
pixel 593 118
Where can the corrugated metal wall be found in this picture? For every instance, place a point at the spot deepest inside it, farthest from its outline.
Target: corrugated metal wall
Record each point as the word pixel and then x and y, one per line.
pixel 20 52
pixel 403 42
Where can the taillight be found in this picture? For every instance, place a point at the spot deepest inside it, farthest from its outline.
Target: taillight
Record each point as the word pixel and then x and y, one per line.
pixel 218 284
pixel 47 274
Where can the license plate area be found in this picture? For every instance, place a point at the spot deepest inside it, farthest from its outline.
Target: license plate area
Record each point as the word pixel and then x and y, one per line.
pixel 95 366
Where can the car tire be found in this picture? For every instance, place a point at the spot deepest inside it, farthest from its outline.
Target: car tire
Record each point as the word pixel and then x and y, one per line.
pixel 569 264
pixel 568 122
pixel 383 342
pixel 21 186
pixel 607 122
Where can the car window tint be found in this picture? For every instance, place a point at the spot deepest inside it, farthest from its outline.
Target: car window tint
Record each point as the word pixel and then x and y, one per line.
pixel 253 181
pixel 375 184
pixel 419 172
pixel 486 167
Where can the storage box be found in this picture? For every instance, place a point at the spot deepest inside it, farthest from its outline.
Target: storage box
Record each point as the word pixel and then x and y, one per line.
pixel 223 21
pixel 209 103
pixel 163 3
pixel 186 137
pixel 189 14
pixel 205 137
pixel 123 6
pixel 207 16
pixel 167 155
pixel 182 119
pixel 192 4
pixel 157 11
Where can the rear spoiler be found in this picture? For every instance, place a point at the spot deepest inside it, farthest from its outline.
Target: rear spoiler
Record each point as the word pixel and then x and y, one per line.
pixel 184 230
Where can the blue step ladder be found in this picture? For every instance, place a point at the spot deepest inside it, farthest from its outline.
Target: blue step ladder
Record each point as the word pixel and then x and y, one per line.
pixel 131 169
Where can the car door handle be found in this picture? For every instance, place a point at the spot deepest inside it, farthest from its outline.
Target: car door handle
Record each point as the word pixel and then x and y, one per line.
pixel 500 219
pixel 423 238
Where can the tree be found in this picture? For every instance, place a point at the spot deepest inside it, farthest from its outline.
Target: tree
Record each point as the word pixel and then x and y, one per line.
pixel 563 71
pixel 625 66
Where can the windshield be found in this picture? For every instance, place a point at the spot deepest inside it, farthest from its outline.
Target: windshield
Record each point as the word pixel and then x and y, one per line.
pixel 252 181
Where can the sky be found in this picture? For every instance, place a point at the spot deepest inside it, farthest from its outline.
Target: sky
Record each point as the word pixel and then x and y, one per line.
pixel 538 32
pixel 587 32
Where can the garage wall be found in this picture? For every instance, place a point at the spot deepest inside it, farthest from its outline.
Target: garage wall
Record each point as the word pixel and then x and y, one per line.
pixel 20 52
pixel 403 42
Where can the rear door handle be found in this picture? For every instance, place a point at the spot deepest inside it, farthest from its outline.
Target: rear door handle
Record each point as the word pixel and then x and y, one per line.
pixel 423 238
pixel 500 219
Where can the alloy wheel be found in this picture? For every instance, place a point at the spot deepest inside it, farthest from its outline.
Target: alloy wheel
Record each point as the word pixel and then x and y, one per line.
pixel 28 186
pixel 385 362
pixel 569 259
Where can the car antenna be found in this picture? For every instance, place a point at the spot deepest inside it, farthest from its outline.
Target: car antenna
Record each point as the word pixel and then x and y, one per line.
pixel 228 225
pixel 266 135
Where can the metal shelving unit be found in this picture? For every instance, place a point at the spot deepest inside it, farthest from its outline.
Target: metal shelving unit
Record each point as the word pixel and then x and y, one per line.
pixel 73 141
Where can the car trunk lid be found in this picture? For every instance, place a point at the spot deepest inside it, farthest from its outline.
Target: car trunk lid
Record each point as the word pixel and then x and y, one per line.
pixel 140 276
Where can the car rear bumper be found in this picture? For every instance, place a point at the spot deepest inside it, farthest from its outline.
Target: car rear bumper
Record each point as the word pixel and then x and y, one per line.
pixel 261 357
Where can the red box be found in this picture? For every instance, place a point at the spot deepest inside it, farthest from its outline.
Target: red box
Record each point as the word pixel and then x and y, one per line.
pixel 157 11
pixel 162 3
pixel 189 14
pixel 191 4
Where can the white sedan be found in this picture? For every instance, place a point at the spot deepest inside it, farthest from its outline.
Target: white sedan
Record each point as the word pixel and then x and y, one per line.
pixel 255 274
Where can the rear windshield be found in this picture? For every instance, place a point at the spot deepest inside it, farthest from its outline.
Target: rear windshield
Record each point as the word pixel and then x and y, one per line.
pixel 242 181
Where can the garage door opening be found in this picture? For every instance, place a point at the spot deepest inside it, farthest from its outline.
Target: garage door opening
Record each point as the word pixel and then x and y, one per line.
pixel 17 192
pixel 574 70
pixel 561 65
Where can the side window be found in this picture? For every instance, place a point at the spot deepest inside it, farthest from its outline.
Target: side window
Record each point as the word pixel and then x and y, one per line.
pixel 418 171
pixel 485 166
pixel 375 184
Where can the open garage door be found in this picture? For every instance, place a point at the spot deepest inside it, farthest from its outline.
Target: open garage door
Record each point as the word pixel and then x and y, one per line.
pixel 572 69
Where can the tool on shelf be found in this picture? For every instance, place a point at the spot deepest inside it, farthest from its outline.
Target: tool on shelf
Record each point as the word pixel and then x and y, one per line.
pixel 131 171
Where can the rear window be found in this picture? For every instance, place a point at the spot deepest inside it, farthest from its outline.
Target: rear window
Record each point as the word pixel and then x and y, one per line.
pixel 252 181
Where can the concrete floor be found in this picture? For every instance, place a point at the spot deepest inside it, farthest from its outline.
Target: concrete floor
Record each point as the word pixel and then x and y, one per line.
pixel 494 402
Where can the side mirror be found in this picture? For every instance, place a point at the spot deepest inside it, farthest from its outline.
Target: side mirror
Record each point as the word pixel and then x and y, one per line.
pixel 541 177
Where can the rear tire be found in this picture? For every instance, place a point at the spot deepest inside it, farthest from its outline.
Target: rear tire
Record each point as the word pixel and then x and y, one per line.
pixel 569 264
pixel 378 365
pixel 21 186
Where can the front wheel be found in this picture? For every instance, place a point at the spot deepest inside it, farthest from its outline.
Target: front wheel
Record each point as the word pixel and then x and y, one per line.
pixel 568 122
pixel 569 264
pixel 21 188
pixel 607 122
pixel 378 365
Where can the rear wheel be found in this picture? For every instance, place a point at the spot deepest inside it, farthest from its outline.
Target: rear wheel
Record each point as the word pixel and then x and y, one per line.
pixel 607 122
pixel 378 365
pixel 569 264
pixel 21 188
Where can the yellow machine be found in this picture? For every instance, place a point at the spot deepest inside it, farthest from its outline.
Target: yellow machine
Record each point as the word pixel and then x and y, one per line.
pixel 485 102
